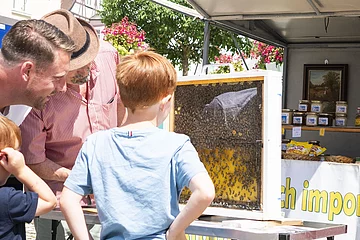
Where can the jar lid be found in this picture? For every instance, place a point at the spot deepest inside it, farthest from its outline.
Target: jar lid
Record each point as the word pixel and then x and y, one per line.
pixel 288 110
pixel 285 140
pixel 315 101
pixel 299 113
pixel 304 101
pixel 341 102
pixel 315 142
pixel 326 114
pixel 340 115
pixel 311 113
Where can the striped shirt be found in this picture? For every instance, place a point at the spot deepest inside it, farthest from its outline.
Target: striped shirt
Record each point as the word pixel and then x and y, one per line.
pixel 58 131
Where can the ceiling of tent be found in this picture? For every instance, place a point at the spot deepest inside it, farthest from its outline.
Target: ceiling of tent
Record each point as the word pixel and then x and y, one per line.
pixel 286 22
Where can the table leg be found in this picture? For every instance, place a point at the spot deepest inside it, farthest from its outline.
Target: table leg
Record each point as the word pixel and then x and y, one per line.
pixel 54 225
pixel 284 236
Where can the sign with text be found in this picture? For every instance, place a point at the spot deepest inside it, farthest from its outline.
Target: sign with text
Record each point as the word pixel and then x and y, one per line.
pixel 323 192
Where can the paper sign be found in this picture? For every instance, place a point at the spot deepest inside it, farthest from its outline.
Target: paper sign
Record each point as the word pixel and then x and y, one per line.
pixel 296 132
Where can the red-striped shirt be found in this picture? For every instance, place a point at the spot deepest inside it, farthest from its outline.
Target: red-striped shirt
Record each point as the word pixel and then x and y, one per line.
pixel 58 131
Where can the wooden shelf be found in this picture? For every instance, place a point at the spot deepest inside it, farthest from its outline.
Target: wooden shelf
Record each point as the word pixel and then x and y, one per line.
pixel 349 129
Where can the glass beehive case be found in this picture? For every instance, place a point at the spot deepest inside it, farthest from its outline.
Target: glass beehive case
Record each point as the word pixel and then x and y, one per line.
pixel 224 124
pixel 225 119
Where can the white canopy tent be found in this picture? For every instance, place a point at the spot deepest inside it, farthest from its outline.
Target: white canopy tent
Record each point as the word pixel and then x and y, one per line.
pixel 284 23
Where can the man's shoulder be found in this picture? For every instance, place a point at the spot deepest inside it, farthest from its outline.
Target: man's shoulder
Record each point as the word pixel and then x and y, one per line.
pixel 106 47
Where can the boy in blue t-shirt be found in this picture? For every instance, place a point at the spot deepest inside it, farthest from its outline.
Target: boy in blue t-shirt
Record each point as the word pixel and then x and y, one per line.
pixel 17 207
pixel 137 171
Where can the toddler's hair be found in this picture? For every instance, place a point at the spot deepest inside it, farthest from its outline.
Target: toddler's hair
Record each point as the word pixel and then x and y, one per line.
pixel 10 135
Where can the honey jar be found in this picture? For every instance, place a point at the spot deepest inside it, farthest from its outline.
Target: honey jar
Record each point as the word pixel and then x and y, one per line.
pixel 299 118
pixel 357 117
pixel 304 106
pixel 325 119
pixel 311 119
pixel 287 116
pixel 341 107
pixel 341 119
pixel 316 106
pixel 284 143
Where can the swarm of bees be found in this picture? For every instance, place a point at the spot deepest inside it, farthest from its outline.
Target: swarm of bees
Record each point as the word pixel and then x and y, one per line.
pixel 228 141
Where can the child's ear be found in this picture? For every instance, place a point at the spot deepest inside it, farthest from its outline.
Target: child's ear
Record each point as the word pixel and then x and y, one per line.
pixel 166 99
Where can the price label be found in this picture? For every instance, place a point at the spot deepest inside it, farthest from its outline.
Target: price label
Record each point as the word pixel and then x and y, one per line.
pixel 322 132
pixel 282 131
pixel 296 132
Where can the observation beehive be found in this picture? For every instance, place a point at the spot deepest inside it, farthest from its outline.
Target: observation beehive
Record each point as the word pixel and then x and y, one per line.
pixel 227 118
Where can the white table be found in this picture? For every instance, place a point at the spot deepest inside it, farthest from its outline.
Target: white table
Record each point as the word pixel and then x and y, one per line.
pixel 215 226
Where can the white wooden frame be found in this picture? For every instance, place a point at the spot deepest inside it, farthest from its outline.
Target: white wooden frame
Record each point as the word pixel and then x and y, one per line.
pixel 271 137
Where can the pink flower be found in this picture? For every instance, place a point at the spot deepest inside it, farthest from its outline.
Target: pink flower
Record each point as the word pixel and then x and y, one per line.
pixel 126 35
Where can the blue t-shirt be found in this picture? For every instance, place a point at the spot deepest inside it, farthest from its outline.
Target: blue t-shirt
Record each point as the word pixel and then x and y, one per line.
pixel 136 177
pixel 16 209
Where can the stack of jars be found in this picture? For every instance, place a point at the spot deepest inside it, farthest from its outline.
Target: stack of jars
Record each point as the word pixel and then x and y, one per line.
pixel 341 113
pixel 310 113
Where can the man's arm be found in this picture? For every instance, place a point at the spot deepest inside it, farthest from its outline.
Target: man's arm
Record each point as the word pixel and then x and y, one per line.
pixel 14 163
pixel 50 170
pixel 203 193
pixel 34 136
pixel 71 208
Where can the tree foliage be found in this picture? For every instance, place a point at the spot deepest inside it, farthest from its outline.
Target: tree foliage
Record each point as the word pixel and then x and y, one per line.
pixel 179 37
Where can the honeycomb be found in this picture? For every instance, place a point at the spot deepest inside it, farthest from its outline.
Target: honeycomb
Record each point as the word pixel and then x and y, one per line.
pixel 225 130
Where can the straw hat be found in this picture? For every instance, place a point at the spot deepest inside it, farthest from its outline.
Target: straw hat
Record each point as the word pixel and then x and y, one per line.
pixel 81 32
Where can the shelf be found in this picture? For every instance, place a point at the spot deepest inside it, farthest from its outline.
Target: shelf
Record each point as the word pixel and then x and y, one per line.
pixel 349 129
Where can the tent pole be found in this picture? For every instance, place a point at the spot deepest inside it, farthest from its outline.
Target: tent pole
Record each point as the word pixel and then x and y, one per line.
pixel 239 50
pixel 205 57
pixel 285 68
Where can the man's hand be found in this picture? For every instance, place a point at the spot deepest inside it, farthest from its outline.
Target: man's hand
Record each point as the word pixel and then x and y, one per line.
pixel 50 170
pixel 65 173
pixel 12 160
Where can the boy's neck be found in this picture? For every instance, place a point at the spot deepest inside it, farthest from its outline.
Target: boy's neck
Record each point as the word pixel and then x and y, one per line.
pixel 141 118
pixel 138 125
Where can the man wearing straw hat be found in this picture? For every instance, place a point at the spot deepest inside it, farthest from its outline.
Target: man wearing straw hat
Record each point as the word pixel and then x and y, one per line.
pixel 53 136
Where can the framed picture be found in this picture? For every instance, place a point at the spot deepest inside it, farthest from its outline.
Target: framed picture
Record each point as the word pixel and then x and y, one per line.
pixel 325 82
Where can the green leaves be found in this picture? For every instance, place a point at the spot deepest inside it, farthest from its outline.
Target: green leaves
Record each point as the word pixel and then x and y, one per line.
pixel 178 37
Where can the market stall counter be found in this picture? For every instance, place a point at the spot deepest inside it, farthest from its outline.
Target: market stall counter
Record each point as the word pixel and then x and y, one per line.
pixel 235 228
